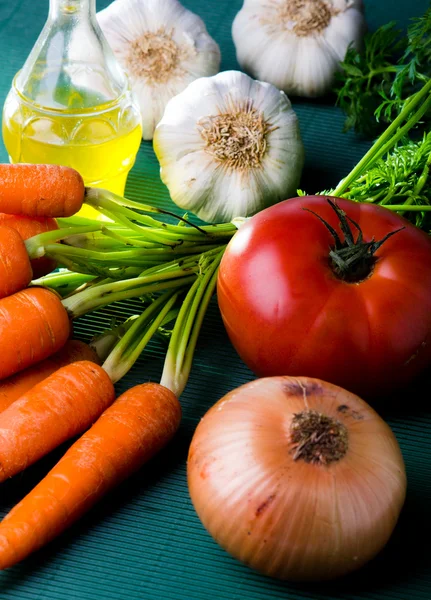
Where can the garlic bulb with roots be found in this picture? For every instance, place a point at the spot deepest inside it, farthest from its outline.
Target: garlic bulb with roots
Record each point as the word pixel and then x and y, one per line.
pixel 162 47
pixel 297 45
pixel 229 146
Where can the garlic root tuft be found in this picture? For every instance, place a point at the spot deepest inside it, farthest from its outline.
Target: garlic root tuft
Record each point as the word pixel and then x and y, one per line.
pixel 229 146
pixel 297 45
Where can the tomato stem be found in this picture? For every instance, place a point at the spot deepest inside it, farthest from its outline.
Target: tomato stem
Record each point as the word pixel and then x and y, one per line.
pixel 351 260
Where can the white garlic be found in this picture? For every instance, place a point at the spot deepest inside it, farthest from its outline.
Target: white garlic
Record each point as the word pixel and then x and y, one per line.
pixel 229 146
pixel 162 47
pixel 297 45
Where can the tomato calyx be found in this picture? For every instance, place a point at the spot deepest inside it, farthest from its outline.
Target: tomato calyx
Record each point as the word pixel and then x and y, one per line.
pixel 317 438
pixel 351 260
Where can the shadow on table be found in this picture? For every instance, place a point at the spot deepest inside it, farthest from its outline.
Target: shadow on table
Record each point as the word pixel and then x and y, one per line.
pixel 408 400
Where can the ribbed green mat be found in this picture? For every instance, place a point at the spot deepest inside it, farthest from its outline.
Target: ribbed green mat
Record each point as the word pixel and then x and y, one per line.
pixel 144 541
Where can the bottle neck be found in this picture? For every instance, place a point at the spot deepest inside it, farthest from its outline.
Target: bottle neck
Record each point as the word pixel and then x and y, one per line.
pixel 64 9
pixel 71 63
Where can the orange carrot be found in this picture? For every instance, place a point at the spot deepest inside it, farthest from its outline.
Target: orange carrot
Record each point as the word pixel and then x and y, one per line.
pixel 40 190
pixel 33 325
pixel 139 423
pixel 15 268
pixel 28 227
pixel 64 404
pixel 15 386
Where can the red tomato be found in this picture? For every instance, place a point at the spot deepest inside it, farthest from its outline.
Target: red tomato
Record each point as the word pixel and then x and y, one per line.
pixel 288 313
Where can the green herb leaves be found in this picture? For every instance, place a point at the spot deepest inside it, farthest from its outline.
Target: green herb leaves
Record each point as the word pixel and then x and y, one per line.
pixel 401 178
pixel 375 83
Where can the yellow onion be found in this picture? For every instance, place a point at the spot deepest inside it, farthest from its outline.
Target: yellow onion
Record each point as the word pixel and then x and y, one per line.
pixel 296 477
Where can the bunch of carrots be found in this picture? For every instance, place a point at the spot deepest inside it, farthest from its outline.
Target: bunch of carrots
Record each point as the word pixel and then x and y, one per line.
pixel 52 383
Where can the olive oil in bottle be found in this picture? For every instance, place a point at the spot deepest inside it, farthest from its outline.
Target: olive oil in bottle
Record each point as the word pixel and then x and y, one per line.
pixel 71 103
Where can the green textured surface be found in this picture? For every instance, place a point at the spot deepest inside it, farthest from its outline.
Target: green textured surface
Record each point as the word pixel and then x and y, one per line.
pixel 144 540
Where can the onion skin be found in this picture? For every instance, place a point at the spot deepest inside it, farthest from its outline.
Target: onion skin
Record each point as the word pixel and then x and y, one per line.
pixel 288 518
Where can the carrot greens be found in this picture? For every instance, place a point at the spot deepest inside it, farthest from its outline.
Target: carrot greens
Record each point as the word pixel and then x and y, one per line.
pixel 394 172
pixel 185 333
pixel 139 332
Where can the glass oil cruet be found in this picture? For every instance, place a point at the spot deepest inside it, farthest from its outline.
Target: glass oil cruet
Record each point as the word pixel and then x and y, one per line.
pixel 71 104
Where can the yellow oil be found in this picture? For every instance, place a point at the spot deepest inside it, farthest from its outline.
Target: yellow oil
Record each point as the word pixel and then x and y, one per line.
pixel 100 144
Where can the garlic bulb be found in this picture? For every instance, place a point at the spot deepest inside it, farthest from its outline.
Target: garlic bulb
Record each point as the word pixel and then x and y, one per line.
pixel 297 45
pixel 229 146
pixel 162 46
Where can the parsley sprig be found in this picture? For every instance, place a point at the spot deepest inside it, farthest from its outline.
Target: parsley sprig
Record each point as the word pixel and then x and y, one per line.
pixel 374 84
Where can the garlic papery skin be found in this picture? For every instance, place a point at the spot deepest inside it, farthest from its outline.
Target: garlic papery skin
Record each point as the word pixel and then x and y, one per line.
pixel 297 45
pixel 162 47
pixel 229 146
